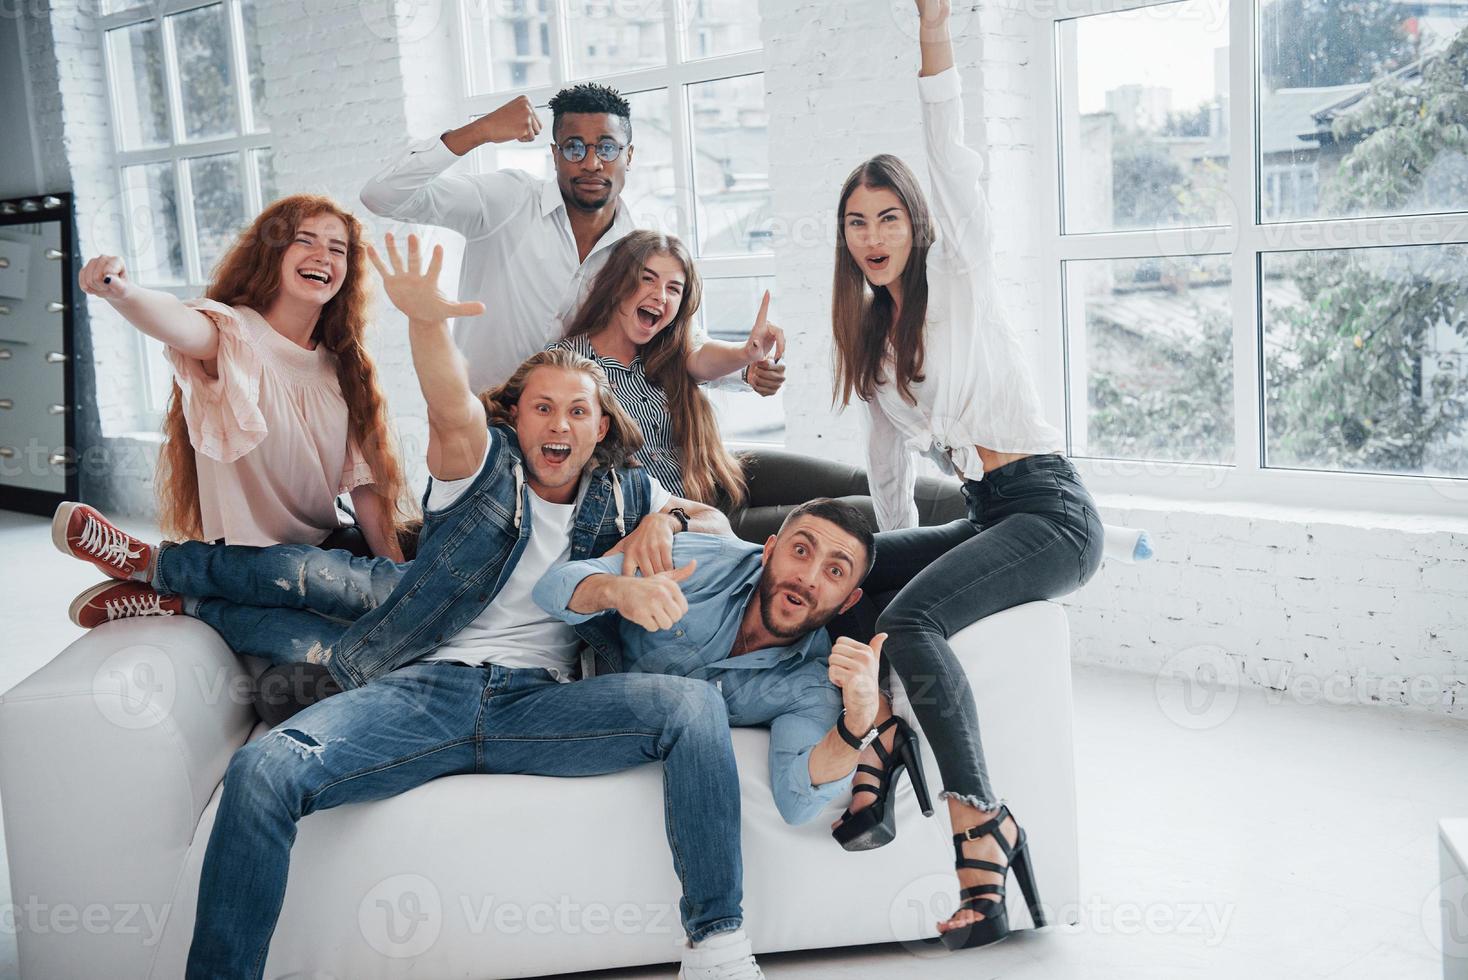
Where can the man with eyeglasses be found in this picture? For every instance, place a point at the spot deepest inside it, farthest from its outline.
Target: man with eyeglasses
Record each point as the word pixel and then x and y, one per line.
pixel 534 246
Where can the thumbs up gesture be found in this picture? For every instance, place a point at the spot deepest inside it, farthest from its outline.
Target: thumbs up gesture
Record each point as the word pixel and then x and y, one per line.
pixel 853 668
pixel 655 602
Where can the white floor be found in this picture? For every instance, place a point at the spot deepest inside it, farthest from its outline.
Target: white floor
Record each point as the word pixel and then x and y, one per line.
pixel 1286 841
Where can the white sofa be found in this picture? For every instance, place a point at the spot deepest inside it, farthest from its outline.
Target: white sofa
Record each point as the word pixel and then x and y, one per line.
pixel 110 764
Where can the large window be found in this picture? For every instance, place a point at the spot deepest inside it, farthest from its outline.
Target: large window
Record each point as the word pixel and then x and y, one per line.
pixel 1257 253
pixel 693 72
pixel 194 160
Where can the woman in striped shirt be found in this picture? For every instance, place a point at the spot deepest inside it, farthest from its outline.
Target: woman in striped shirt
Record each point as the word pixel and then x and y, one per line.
pixel 637 323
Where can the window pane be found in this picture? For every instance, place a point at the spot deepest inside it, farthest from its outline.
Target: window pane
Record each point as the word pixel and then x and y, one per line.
pixel 731 182
pixel 651 191
pixel 265 174
pixel 608 37
pixel 718 27
pixel 206 81
pixel 136 56
pixel 1361 109
pixel 219 210
pixel 151 192
pixel 1144 117
pixel 250 14
pixel 1366 359
pixel 509 44
pixel 727 312
pixel 1150 355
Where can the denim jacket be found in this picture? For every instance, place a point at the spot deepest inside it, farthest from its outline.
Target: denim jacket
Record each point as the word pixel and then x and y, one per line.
pixel 467 551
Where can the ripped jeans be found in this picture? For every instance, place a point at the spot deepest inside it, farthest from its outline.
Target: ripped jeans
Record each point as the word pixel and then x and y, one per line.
pixel 1032 532
pixel 279 603
pixel 428 720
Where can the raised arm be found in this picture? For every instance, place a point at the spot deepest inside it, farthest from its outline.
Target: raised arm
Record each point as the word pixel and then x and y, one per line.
pixel 960 208
pixel 457 431
pixel 937 46
pixel 415 188
pixel 160 315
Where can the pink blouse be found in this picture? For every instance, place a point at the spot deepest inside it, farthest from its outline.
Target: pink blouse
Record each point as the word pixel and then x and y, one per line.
pixel 269 433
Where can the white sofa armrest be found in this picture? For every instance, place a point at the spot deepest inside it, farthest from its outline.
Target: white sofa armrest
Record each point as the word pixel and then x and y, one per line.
pixel 108 756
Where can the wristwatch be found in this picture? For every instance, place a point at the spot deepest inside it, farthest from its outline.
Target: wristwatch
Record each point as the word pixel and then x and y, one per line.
pixel 682 516
pixel 856 743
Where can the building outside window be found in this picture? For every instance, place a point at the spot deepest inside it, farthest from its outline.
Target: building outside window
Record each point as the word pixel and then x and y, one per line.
pixel 1258 247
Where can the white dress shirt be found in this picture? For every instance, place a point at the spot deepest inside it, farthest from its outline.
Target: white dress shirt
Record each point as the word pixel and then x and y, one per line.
pixel 978 389
pixel 520 257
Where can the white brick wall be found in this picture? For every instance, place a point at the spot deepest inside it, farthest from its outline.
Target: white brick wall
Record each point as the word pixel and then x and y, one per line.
pixel 1344 608
pixel 1314 606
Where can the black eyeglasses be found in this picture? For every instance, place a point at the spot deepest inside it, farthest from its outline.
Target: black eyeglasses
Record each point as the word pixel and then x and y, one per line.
pixel 574 150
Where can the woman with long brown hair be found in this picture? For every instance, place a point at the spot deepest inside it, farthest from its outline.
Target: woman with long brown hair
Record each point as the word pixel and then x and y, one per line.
pixel 276 408
pixel 921 341
pixel 637 323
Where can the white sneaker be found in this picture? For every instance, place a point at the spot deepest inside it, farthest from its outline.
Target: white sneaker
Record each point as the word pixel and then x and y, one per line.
pixel 726 956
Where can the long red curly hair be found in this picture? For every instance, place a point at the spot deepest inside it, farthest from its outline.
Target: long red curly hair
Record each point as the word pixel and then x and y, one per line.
pixel 249 275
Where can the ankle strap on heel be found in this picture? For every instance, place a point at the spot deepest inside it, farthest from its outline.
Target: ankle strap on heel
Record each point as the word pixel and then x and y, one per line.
pixel 990 827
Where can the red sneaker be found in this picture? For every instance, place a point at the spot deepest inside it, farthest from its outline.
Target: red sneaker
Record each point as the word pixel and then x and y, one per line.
pixel 82 532
pixel 121 600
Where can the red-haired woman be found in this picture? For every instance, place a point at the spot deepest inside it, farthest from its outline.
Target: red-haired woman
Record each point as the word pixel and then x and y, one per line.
pixel 276 407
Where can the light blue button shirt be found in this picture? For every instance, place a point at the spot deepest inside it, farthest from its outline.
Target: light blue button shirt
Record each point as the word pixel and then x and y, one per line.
pixel 785 688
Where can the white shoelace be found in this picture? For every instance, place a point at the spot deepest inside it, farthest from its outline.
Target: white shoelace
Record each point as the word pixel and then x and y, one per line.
pixel 135 605
pixel 106 543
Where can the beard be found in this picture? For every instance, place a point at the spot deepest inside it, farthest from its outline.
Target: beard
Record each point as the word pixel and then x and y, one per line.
pixel 814 618
pixel 593 204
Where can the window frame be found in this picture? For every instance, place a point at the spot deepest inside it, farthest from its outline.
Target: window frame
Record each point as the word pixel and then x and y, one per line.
pixel 681 72
pixel 1247 479
pixel 253 135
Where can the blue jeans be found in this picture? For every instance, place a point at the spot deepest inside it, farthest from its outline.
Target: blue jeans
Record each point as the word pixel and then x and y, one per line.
pixel 1032 532
pixel 280 602
pixel 436 719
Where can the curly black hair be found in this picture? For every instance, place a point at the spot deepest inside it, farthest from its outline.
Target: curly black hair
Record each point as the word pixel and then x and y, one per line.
pixel 591 98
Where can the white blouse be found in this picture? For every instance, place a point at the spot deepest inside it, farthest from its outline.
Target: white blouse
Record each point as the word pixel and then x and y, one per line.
pixel 978 389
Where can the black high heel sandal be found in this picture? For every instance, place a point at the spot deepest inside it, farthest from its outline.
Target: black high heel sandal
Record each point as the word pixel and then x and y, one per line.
pixel 877 824
pixel 994 925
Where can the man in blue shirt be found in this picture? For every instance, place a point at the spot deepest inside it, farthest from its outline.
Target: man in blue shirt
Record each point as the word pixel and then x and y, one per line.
pixel 750 620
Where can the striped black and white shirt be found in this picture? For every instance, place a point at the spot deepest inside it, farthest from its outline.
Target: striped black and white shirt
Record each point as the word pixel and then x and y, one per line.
pixel 647 403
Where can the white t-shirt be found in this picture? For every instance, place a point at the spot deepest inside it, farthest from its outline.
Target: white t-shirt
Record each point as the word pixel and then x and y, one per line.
pixel 513 631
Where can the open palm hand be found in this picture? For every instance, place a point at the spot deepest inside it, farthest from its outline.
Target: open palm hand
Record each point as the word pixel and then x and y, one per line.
pixel 414 290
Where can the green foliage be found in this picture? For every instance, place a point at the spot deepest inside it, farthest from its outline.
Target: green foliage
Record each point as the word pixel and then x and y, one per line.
pixel 1174 402
pixel 1352 377
pixel 1354 387
pixel 1317 43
